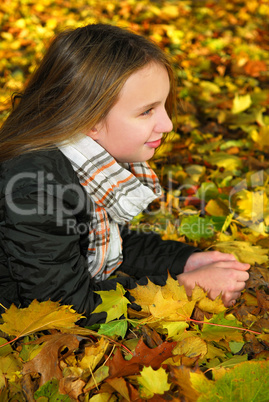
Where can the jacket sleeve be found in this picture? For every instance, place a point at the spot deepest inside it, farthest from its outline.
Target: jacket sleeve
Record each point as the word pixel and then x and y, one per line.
pixel 146 254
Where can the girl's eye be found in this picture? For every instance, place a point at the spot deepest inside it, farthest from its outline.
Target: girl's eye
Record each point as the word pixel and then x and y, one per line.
pixel 146 113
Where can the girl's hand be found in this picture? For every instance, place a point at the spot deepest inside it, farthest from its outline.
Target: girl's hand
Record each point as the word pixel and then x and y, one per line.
pixel 220 277
pixel 199 259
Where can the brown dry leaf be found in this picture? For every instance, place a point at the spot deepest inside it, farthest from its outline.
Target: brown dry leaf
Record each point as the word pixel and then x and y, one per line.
pixel 256 279
pixel 151 336
pixel 143 356
pixel 250 300
pixel 29 385
pixel 47 361
pixel 72 387
pixel 265 273
pixel 263 300
pixel 255 67
pixel 38 317
pixel 181 377
pixel 125 389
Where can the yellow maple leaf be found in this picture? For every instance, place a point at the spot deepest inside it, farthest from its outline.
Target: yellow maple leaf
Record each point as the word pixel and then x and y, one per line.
pixel 244 251
pixel 114 303
pixel 169 309
pixel 206 304
pixel 173 289
pixel 170 303
pixel 38 317
pixel 144 295
pixel 153 382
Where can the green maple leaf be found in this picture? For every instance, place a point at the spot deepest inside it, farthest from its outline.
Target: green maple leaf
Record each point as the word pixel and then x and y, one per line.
pixel 113 328
pixel 114 303
pixel 247 381
pixel 224 327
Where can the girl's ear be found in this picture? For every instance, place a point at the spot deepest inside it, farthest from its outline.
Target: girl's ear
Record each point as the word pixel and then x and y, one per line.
pixel 93 133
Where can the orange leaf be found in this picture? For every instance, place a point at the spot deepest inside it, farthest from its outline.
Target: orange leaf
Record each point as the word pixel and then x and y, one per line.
pixel 143 356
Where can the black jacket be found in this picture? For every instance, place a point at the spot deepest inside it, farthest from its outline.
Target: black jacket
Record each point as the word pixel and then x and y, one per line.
pixel 41 255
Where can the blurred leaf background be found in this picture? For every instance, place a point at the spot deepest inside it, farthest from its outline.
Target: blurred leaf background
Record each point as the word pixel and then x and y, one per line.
pixel 214 169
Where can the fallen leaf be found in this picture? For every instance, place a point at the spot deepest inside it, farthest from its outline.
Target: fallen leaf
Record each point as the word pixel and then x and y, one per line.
pixel 73 387
pixel 153 382
pixel 98 376
pixel 46 363
pixel 241 103
pixel 223 160
pixel 93 354
pixel 125 389
pixel 144 295
pixel 38 317
pixel 114 303
pixel 191 347
pixel 168 309
pixel 143 356
pixel 50 391
pixel 247 381
pixel 263 299
pixel 222 329
pixel 114 328
pixel 244 251
pixel 181 377
pixel 205 303
pixel 9 365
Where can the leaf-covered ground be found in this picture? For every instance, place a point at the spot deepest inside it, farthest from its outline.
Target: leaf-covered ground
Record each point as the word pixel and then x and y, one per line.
pixel 214 171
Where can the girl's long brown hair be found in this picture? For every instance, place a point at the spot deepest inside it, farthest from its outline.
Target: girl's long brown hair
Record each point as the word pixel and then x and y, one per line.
pixel 75 86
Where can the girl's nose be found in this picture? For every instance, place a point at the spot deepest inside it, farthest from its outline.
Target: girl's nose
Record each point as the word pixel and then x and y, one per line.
pixel 164 123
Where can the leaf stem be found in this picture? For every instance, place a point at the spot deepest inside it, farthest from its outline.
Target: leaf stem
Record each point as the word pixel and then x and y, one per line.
pixel 12 340
pixel 225 326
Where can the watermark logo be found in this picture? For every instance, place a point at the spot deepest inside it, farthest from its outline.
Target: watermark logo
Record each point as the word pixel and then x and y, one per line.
pixel 247 201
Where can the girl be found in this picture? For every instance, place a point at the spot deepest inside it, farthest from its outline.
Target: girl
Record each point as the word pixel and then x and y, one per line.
pixel 74 171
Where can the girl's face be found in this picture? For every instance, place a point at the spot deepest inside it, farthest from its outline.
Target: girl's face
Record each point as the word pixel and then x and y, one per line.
pixel 133 128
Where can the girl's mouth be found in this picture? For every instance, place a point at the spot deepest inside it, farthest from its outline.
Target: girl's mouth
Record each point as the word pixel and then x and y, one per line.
pixel 154 144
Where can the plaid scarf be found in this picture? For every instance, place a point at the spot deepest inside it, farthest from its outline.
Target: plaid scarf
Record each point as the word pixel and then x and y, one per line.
pixel 117 192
